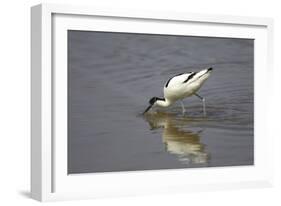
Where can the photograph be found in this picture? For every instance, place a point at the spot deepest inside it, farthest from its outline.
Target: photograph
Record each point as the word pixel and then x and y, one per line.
pixel 141 101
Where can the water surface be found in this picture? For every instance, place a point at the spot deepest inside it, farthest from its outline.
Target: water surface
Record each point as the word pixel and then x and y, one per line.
pixel 113 75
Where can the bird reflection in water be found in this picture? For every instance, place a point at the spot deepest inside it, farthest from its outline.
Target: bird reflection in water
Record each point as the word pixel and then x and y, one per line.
pixel 177 139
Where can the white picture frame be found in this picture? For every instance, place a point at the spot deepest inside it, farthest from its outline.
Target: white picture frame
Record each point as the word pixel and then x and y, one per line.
pixel 49 178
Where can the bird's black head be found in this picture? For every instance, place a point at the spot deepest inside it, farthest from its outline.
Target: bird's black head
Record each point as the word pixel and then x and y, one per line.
pixel 152 102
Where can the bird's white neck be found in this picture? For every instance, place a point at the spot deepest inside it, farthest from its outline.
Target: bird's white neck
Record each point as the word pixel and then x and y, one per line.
pixel 163 103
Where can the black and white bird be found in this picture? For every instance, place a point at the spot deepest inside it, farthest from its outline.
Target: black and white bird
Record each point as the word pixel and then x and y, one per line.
pixel 179 87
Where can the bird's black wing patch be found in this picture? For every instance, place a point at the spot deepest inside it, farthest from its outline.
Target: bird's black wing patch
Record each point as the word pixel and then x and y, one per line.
pixel 167 83
pixel 189 77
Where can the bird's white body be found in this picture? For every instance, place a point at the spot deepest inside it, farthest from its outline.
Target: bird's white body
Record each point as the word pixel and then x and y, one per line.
pixel 180 87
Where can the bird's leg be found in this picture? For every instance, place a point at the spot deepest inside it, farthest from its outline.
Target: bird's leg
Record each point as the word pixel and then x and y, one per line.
pixel 203 102
pixel 183 109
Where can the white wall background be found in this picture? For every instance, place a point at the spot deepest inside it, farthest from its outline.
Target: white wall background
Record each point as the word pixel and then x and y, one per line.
pixel 15 95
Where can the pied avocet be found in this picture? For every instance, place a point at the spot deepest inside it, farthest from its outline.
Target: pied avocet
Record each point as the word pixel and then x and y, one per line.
pixel 179 87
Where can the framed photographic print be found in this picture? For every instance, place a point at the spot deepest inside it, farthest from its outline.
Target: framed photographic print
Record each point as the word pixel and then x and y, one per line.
pixel 137 102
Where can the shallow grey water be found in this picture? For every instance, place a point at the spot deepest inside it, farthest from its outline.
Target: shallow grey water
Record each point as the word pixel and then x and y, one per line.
pixel 113 75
